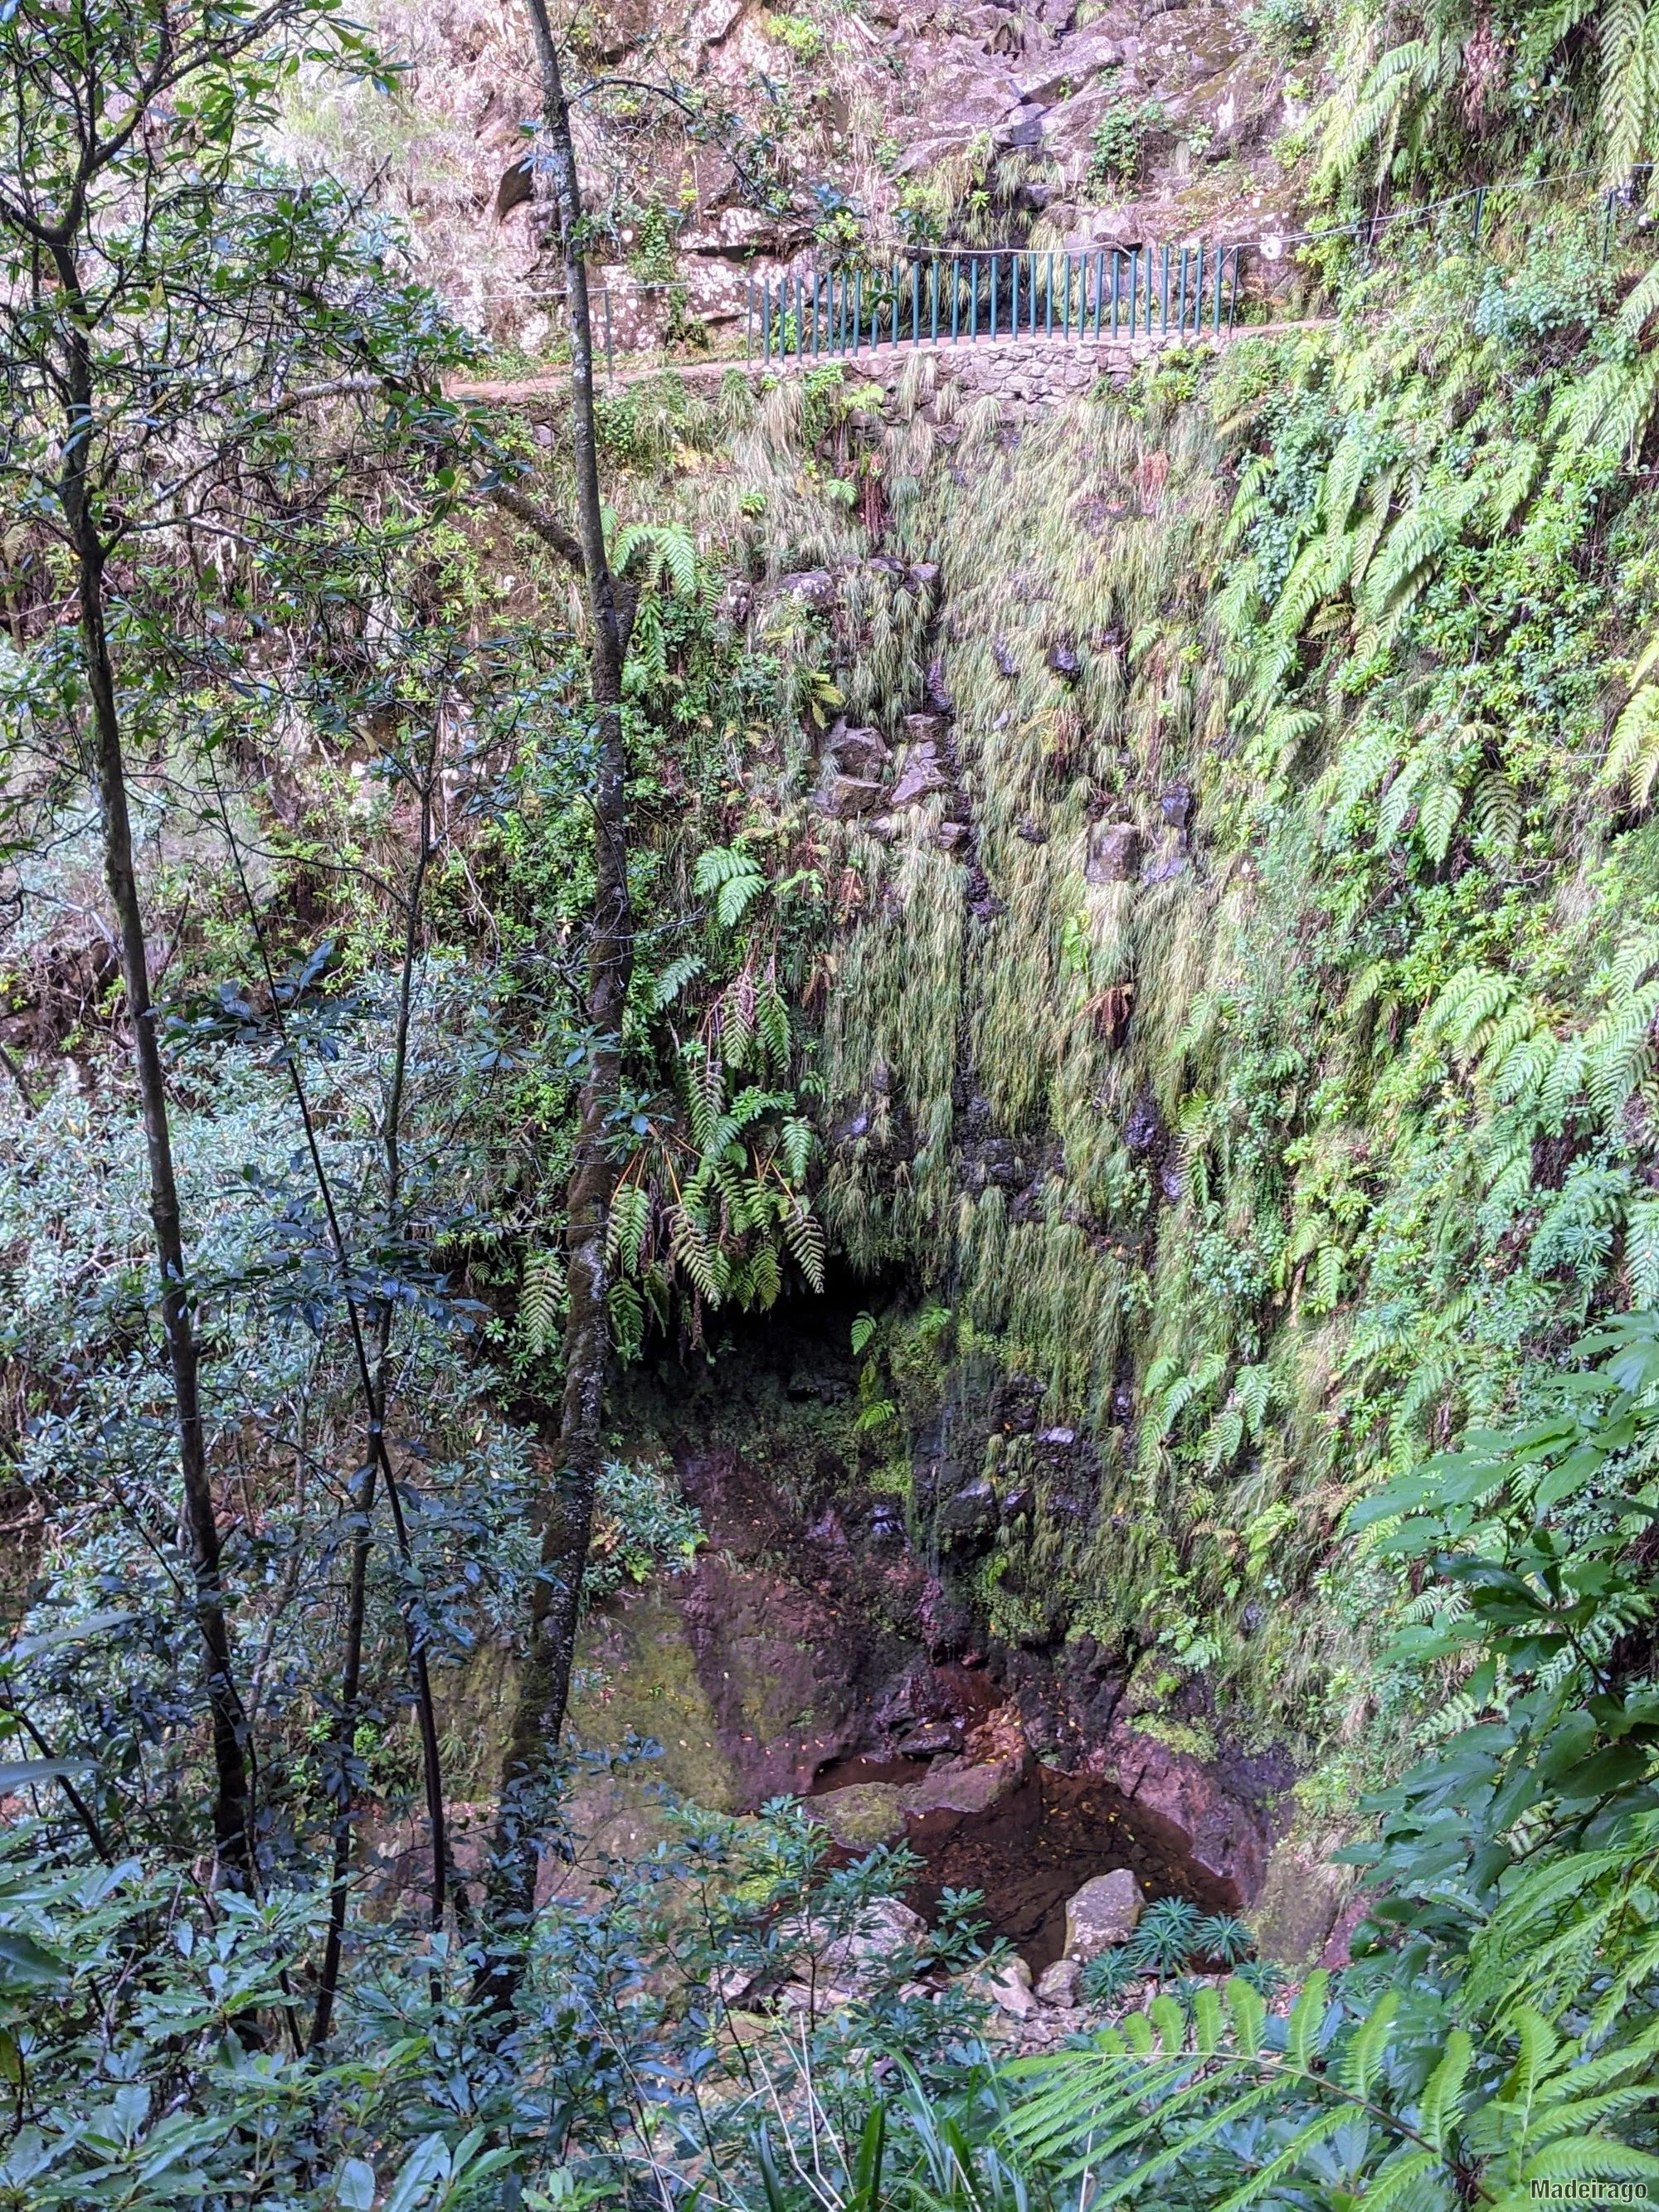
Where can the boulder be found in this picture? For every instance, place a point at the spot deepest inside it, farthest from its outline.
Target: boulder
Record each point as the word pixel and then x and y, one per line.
pixel 844 795
pixel 1302 1902
pixel 817 587
pixel 884 1929
pixel 1177 805
pixel 921 775
pixel 1057 1984
pixel 1008 1986
pixel 863 1814
pixel 951 836
pixel 956 1786
pixel 927 729
pixel 972 1510
pixel 1114 849
pixel 1104 1911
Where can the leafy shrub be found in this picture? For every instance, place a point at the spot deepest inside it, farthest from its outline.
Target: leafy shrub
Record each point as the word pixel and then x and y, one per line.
pixel 1173 1935
pixel 1117 148
pixel 803 37
pixel 1499 2036
pixel 1288 28
pixel 1167 1936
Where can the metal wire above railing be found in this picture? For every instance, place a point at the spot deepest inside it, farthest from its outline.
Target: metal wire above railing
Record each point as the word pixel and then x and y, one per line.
pixel 940 295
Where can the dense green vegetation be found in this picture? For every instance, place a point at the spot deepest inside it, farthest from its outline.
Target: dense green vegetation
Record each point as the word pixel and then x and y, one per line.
pixel 1286 918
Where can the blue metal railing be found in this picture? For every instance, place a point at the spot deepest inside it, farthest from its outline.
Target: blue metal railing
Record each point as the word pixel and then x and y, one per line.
pixel 936 297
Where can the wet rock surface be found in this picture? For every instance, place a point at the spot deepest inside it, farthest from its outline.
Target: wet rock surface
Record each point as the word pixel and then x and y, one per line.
pixel 817 1647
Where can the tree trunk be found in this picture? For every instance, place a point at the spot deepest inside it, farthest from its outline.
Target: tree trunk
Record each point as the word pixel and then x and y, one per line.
pixel 233 1805
pixel 544 1684
pixel 232 1798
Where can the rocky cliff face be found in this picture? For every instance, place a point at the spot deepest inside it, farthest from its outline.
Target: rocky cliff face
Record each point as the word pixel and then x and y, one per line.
pixel 887 1616
pixel 1047 121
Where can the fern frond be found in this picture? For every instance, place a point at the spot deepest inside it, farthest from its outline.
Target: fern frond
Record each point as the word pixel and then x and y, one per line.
pixel 1634 752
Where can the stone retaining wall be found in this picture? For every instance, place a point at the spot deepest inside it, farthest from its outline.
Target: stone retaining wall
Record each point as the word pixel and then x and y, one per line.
pixel 1025 374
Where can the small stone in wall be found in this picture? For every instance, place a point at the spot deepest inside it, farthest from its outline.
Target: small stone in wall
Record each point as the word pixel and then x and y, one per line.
pixel 860 753
pixel 921 776
pixel 1104 1911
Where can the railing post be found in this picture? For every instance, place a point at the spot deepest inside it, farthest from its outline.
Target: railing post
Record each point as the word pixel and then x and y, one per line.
pixel 1013 296
pixel 1117 287
pixel 915 303
pixel 932 301
pixel 766 320
pixel 1047 304
pixel 995 274
pixel 610 351
pixel 858 304
pixel 1220 266
pixel 972 325
pixel 1480 209
pixel 1163 296
pixel 1233 291
pixel 955 298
